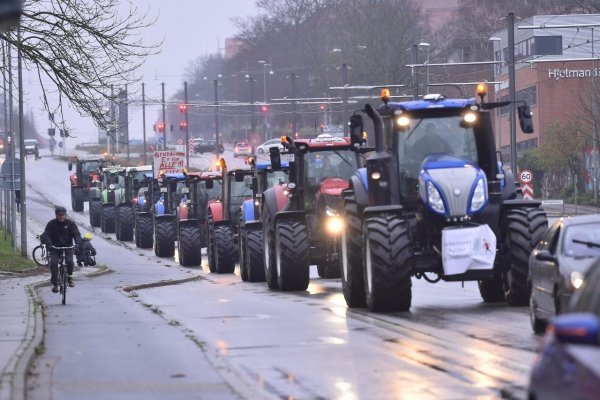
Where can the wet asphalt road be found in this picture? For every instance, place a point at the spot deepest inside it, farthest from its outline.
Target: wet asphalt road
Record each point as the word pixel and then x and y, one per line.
pixel 219 337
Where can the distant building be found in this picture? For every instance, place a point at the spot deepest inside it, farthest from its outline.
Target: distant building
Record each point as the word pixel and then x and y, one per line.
pixel 555 71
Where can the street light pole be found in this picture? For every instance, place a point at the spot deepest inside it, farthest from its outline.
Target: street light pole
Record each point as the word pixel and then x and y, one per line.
pixel 187 126
pixel 216 88
pixel 511 90
pixel 415 78
pixel 144 119
pixel 164 117
pixel 427 45
pixel 294 121
pixel 595 128
pixel 251 80
pixel 23 188
pixel 345 97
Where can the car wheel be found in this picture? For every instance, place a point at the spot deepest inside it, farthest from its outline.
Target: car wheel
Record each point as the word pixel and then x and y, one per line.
pixel 260 151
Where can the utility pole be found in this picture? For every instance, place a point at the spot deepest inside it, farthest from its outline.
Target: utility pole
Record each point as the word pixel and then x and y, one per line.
pixel 511 93
pixel 164 117
pixel 415 77
pixel 294 121
pixel 13 229
pixel 23 195
pixel 111 128
pixel 345 97
pixel 216 88
pixel 126 121
pixel 4 84
pixel 144 119
pixel 187 126
pixel 595 127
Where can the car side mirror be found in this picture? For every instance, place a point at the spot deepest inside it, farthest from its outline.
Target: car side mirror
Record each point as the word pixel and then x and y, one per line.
pixel 525 118
pixel 210 184
pixel 356 129
pixel 544 255
pixel 275 157
pixel 70 166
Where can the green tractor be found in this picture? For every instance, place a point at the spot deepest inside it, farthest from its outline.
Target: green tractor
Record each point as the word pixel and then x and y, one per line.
pixel 131 178
pixel 435 203
pixel 105 197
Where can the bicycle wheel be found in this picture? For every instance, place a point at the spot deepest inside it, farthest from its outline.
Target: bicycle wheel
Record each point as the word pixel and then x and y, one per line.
pixel 40 256
pixel 63 279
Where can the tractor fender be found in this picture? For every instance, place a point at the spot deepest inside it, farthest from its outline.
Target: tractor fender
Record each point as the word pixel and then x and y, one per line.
pixel 274 199
pixel 253 225
pixel 247 213
pixel 182 211
pixel 290 215
pixel 188 222
pixel 108 204
pixel 392 209
pixel 358 182
pixel 164 217
pixel 216 209
pixel 507 204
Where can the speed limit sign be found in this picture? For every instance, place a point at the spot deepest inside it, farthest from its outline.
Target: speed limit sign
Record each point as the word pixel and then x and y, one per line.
pixel 525 176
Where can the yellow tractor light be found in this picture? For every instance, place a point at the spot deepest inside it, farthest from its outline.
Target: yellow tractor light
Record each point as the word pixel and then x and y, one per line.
pixel 481 90
pixel 385 95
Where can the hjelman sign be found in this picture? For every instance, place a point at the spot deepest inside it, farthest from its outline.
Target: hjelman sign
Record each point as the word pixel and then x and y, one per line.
pixel 169 162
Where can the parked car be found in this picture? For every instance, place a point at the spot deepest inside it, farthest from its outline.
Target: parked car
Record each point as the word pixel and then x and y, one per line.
pixel 31 146
pixel 567 366
pixel 207 146
pixel 242 149
pixel 557 265
pixel 264 148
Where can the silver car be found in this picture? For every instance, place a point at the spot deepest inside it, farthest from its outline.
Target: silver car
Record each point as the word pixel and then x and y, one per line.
pixel 558 264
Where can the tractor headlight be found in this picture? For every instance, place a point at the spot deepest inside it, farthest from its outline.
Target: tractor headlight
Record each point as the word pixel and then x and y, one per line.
pixel 576 279
pixel 111 186
pixel 334 225
pixel 478 199
pixel 434 198
pixel 331 212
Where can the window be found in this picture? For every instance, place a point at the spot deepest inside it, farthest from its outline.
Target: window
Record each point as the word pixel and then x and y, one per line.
pixel 548 45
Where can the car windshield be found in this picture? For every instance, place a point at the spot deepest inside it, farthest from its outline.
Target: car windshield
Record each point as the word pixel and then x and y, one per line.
pixel 582 240
pixel 30 142
pixel 90 166
pixel 429 136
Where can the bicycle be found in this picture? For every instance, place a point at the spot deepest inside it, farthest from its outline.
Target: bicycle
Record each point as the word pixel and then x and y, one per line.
pixel 62 271
pixel 40 254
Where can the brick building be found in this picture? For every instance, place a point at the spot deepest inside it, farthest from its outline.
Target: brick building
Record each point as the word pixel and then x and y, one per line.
pixel 555 69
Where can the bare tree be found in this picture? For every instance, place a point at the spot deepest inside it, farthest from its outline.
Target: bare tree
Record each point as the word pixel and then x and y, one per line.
pixel 83 47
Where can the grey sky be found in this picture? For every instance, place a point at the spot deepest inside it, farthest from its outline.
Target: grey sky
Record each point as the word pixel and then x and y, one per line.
pixel 190 28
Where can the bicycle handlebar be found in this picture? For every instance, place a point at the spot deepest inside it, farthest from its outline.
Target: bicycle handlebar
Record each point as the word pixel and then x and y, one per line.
pixel 62 248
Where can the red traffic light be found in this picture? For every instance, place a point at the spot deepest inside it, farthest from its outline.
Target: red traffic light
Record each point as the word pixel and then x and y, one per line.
pixel 264 108
pixel 322 107
pixel 183 108
pixel 182 125
pixel 161 126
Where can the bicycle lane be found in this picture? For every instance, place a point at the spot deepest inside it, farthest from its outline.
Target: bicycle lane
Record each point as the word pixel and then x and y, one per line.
pixel 102 343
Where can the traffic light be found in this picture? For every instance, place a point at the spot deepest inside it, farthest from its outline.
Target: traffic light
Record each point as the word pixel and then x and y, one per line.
pixel 51 132
pixel 183 108
pixel 322 107
pixel 161 127
pixel 182 125
pixel 264 108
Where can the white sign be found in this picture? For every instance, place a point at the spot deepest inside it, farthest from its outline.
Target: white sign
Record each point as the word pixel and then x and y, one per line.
pixel 169 162
pixel 288 157
pixel 557 73
pixel 525 176
pixel 558 202
pixel 466 249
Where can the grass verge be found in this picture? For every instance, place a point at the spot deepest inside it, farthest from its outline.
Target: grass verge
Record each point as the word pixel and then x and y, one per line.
pixel 10 260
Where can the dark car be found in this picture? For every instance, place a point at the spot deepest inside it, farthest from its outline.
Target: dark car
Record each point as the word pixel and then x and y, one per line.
pixel 558 263
pixel 207 146
pixel 568 364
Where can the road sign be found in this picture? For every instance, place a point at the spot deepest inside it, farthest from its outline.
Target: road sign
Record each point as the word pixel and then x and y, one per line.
pixel 525 176
pixel 179 141
pixel 527 190
pixel 11 167
pixel 550 202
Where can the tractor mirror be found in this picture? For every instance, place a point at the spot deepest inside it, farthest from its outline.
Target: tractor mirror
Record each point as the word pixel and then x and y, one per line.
pixel 356 129
pixel 136 183
pixel 173 186
pixel 210 184
pixel 239 177
pixel 275 156
pixel 70 166
pixel 525 118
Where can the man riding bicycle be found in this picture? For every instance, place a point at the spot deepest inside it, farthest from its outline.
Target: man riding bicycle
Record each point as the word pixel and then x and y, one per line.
pixel 61 232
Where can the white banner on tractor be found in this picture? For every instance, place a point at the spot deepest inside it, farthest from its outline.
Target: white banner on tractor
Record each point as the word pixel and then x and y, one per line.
pixel 169 162
pixel 466 249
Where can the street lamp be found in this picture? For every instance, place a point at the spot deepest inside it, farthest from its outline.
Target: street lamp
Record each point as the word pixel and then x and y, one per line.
pixel 293 77
pixel 426 45
pixel 216 90
pixel 251 80
pixel 497 71
pixel 345 69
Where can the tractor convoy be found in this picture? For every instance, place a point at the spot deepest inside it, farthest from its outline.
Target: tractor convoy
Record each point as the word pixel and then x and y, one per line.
pixel 432 200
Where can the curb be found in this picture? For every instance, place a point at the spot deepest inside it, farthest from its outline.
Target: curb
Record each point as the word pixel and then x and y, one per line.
pixel 33 338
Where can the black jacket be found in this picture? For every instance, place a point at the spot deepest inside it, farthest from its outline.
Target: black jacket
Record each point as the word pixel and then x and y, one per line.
pixel 61 234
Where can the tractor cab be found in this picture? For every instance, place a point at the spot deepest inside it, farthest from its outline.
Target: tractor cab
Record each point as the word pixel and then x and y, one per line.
pixel 86 175
pixel 170 187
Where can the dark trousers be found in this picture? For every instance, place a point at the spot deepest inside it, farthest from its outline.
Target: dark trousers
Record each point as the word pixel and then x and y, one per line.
pixel 54 265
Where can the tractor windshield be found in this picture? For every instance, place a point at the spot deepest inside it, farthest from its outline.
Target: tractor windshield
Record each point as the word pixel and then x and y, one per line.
pixel 319 165
pixel 429 136
pixel 213 193
pixel 275 178
pixel 240 191
pixel 90 166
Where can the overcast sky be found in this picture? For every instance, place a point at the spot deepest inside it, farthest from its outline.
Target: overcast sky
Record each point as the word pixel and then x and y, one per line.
pixel 190 28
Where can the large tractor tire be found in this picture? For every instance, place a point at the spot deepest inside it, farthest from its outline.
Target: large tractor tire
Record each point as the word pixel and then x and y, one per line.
pixel 269 251
pixel 292 255
pixel 77 199
pixel 144 231
pixel 492 291
pixel 210 244
pixel 255 263
pixel 164 237
pixel 108 220
pixel 124 223
pixel 189 250
pixel 388 285
pixel 353 281
pixel 224 250
pixel 242 241
pixel 95 214
pixel 523 228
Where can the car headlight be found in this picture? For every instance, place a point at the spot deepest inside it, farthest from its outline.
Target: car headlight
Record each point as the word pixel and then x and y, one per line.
pixel 334 225
pixel 434 198
pixel 576 279
pixel 478 199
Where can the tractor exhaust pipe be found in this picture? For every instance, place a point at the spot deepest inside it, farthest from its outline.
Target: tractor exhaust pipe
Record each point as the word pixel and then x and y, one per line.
pixel 378 126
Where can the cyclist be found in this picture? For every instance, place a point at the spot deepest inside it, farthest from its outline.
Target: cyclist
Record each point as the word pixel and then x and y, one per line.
pixel 61 232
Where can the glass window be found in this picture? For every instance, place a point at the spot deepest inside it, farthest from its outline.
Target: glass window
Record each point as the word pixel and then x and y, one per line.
pixel 579 239
pixel 548 45
pixel 90 166
pixel 275 177
pixel 544 243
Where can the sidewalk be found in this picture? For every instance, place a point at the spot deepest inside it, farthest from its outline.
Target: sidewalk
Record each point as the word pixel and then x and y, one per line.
pixel 22 331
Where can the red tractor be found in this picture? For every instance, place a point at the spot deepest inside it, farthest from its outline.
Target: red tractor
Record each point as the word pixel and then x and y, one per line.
pixel 301 222
pixel 87 172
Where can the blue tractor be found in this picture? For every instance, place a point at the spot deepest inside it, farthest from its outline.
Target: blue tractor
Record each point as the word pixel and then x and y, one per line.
pixel 252 266
pixel 165 213
pixel 435 202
